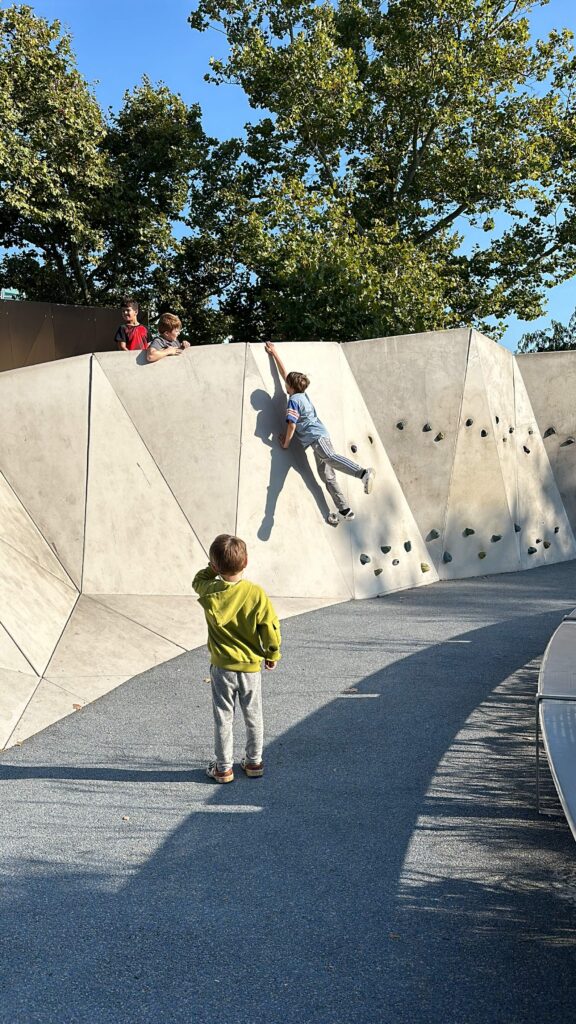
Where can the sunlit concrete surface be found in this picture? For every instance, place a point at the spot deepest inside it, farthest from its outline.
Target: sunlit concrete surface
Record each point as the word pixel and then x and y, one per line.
pixel 390 867
pixel 116 474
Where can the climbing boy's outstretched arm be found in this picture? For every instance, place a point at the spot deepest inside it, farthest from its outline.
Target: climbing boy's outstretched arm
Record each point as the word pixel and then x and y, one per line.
pixel 271 350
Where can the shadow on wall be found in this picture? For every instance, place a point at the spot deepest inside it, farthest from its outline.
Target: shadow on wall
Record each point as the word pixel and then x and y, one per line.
pixel 271 421
pixel 291 903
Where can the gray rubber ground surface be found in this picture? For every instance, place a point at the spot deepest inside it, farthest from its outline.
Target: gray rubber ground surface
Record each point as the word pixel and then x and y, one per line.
pixel 390 867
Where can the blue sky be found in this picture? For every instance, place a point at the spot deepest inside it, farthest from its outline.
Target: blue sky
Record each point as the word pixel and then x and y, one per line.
pixel 117 41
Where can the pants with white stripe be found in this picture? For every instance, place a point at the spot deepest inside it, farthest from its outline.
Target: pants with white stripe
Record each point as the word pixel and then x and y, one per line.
pixel 327 460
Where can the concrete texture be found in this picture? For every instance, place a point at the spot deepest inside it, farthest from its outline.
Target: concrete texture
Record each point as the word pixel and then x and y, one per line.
pixel 390 867
pixel 115 475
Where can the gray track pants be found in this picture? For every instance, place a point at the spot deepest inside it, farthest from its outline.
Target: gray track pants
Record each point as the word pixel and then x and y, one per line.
pixel 226 686
pixel 327 461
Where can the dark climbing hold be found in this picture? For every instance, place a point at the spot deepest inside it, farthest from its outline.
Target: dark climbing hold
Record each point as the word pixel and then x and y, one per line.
pixel 354 448
pixel 496 537
pixel 481 554
pixel 549 432
pixel 525 449
pixel 433 535
pixel 469 422
pixel 546 544
pixel 426 428
pixel 538 540
pixel 365 559
pixel 424 567
pixel 378 571
pixel 407 545
pixel 569 440
pixel 532 551
pixel 530 431
pixel 385 549
pixel 468 531
pixel 504 439
pixel 483 433
pixel 556 529
pixel 400 425
pixel 370 438
pixel 446 557
pixel 497 418
pixel 510 430
pixel 395 561
pixel 517 528
pixel 439 436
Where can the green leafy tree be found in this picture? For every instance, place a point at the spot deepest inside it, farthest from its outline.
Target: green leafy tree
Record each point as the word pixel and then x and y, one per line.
pixel 552 339
pixel 388 132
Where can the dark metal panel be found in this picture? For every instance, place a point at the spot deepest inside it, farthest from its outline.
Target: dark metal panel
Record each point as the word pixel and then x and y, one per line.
pixel 30 324
pixel 81 329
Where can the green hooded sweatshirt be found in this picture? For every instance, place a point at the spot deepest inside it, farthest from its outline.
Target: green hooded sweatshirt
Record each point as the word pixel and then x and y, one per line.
pixel 243 628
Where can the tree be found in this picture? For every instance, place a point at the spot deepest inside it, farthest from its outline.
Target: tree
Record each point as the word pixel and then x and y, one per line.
pixel 556 337
pixel 87 204
pixel 388 131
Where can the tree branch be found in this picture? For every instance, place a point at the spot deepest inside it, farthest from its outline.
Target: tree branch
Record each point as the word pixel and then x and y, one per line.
pixel 442 223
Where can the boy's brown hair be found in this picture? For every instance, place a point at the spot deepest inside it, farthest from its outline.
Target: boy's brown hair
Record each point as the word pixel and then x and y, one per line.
pixel 228 554
pixel 169 322
pixel 297 381
pixel 129 303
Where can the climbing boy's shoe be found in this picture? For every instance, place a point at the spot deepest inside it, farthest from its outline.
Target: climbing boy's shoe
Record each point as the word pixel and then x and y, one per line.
pixel 368 480
pixel 332 519
pixel 253 771
pixel 213 773
pixel 346 513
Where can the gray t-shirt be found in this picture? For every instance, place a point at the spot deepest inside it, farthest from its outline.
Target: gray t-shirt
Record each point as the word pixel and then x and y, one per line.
pixel 160 343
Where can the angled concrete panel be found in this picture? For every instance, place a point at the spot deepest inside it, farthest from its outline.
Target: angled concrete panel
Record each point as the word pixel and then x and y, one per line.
pixel 498 374
pixel 138 540
pixel 49 704
pixel 18 531
pixel 413 387
pixel 16 690
pixel 188 412
pixel 479 536
pixel 550 380
pixel 177 619
pixel 545 531
pixel 43 445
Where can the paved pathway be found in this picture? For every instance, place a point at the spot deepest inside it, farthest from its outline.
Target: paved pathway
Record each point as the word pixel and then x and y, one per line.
pixel 389 869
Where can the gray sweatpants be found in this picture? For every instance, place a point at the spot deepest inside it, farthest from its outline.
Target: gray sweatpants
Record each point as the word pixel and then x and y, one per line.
pixel 327 460
pixel 226 686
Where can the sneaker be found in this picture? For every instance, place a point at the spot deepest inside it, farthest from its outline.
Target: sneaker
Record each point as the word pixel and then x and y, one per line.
pixel 346 513
pixel 332 519
pixel 253 771
pixel 368 480
pixel 213 773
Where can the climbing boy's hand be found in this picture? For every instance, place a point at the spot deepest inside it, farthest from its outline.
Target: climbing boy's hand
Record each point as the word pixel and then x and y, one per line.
pixel 270 665
pixel 270 347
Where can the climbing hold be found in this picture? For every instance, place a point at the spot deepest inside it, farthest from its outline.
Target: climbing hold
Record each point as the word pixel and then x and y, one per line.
pixel 549 431
pixel 569 440
pixel 469 422
pixel 532 551
pixel 546 544
pixel 517 528
pixel 468 531
pixel 481 554
pixel 378 571
pixel 446 557
pixel 426 428
pixel 538 540
pixel 424 567
pixel 530 431
pixel 385 549
pixel 556 529
pixel 497 418
pixel 510 430
pixel 496 537
pixel 483 433
pixel 395 561
pixel 433 535
pixel 525 449
pixel 354 448
pixel 439 436
pixel 370 438
pixel 504 439
pixel 407 545
pixel 365 559
pixel 400 425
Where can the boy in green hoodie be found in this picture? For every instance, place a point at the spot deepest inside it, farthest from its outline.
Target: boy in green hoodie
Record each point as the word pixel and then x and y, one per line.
pixel 243 631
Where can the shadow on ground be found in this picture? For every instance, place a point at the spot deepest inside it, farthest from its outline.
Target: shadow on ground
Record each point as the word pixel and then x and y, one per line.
pixel 389 868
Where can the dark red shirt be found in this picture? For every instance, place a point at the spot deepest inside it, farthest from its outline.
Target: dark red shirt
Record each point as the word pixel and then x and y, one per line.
pixel 135 337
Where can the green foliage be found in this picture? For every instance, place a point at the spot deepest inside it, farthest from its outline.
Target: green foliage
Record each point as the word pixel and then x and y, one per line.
pixel 388 131
pixel 557 337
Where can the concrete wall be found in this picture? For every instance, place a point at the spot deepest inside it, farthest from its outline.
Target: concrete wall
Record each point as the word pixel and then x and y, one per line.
pixel 115 475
